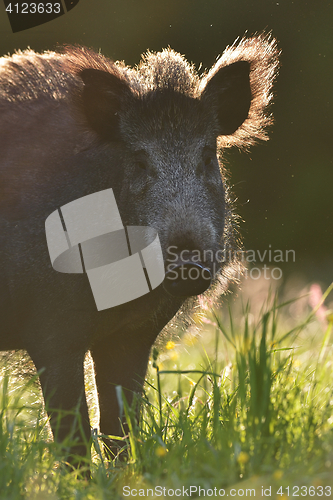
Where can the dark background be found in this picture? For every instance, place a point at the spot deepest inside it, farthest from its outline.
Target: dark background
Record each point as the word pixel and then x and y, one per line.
pixel 285 186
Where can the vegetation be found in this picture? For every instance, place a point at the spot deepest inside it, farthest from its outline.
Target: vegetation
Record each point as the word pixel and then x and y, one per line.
pixel 239 405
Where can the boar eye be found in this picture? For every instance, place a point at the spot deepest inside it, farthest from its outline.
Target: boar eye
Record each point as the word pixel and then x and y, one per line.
pixel 141 160
pixel 208 161
pixel 141 164
pixel 209 157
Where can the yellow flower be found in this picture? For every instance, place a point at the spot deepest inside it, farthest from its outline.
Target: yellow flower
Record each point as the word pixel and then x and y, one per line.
pixel 170 345
pixel 161 451
pixel 243 458
pixel 278 474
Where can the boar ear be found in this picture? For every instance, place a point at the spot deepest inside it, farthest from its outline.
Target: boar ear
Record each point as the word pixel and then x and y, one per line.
pixel 102 96
pixel 239 87
pixel 230 91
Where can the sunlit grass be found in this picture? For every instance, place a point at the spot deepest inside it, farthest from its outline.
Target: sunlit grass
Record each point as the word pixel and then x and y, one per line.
pixel 244 397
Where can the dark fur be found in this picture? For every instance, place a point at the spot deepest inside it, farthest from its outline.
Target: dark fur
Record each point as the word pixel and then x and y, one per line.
pixel 77 123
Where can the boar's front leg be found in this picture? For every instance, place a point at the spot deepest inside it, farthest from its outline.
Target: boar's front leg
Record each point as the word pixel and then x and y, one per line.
pixel 119 361
pixel 62 380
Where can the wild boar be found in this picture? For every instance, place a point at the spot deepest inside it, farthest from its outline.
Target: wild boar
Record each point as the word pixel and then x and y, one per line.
pixel 75 123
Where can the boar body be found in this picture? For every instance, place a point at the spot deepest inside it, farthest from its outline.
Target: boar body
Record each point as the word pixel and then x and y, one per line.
pixel 76 123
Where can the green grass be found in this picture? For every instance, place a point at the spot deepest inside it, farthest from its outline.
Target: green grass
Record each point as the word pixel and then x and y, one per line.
pixel 242 400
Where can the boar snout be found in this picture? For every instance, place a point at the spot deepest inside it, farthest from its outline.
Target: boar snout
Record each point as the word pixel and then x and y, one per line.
pixel 187 277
